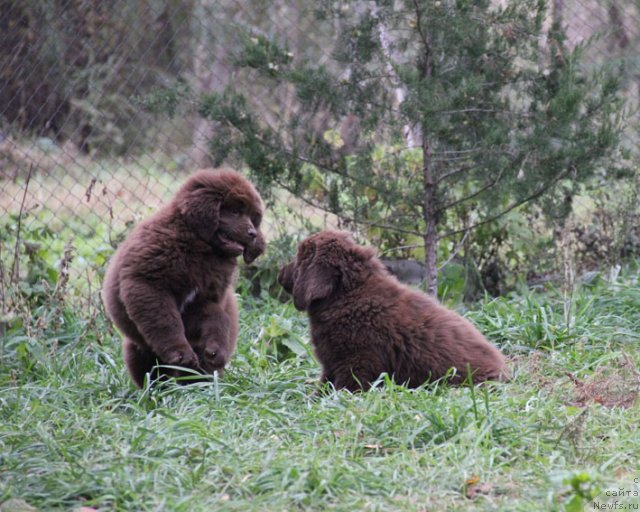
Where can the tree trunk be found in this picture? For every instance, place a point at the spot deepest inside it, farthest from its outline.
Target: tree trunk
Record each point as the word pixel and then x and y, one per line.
pixel 414 135
pixel 411 133
pixel 429 201
pixel 430 219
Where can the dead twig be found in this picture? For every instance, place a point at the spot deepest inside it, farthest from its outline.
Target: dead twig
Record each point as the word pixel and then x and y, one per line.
pixel 454 252
pixel 89 190
pixel 15 273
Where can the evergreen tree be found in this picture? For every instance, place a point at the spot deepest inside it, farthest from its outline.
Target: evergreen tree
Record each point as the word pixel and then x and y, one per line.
pixel 431 118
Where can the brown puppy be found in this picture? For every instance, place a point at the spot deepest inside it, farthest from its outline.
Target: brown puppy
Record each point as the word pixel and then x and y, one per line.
pixel 364 322
pixel 169 286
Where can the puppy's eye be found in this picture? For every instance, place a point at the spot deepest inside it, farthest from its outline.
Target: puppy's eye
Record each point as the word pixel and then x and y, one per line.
pixel 235 211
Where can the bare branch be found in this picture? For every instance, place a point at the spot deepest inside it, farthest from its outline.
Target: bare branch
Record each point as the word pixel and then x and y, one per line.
pixel 455 251
pixel 401 247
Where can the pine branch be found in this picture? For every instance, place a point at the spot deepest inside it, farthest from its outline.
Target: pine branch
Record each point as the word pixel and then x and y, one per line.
pixel 483 111
pixel 459 170
pixel 512 206
pixel 326 166
pixel 474 194
pixel 345 217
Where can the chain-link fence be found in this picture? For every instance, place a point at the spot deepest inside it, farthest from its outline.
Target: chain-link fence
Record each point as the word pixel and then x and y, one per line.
pixel 82 154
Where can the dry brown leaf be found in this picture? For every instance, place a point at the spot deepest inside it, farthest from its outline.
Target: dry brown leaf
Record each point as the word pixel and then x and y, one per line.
pixel 478 488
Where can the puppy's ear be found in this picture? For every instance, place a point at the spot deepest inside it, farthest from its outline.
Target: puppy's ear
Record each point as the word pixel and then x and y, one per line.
pixel 200 208
pixel 315 282
pixel 255 248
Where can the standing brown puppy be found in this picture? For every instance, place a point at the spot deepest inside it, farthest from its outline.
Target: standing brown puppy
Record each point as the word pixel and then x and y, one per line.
pixel 364 322
pixel 169 286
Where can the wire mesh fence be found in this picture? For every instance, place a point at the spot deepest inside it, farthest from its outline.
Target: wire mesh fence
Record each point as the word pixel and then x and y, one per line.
pixel 82 154
pixel 73 118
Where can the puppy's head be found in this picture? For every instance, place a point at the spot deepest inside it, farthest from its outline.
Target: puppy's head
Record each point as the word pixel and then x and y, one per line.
pixel 326 263
pixel 225 210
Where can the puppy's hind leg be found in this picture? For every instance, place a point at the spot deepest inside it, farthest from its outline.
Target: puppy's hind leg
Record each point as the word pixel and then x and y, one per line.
pixel 139 360
pixel 356 374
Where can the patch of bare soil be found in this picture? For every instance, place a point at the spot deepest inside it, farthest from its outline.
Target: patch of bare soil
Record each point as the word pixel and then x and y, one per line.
pixel 610 387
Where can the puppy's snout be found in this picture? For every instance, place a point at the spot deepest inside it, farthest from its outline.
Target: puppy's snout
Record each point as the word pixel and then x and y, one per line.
pixel 214 360
pixel 252 233
pixel 285 277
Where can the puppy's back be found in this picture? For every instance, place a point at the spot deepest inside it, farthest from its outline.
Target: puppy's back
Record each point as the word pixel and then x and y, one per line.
pixel 432 339
pixel 452 341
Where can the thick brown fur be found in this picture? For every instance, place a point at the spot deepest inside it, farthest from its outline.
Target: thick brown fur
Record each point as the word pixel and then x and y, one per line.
pixel 365 322
pixel 169 286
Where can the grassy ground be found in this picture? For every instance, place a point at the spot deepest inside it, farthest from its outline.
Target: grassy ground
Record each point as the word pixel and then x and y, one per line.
pixel 74 432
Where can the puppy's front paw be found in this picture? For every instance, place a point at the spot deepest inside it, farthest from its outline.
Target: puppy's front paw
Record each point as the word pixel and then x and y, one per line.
pixel 181 356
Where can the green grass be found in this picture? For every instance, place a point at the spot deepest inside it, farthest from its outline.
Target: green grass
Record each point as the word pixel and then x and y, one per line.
pixel 75 432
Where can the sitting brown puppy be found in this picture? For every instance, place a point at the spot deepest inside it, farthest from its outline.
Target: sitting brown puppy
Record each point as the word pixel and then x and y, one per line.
pixel 364 322
pixel 169 286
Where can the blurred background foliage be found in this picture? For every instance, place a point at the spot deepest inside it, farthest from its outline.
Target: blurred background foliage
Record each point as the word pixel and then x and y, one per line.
pixel 478 145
